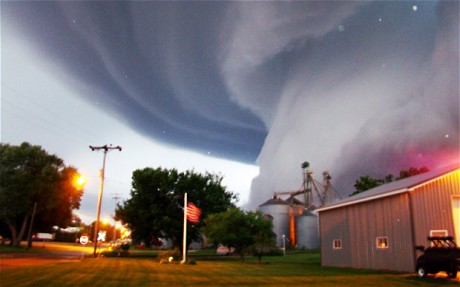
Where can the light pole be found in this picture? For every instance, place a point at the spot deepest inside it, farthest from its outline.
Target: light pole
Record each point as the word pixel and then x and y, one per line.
pixel 105 148
pixel 29 236
pixel 115 196
pixel 284 245
pixel 114 238
pixel 306 187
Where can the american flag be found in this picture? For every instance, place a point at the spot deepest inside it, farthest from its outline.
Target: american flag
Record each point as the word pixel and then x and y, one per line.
pixel 193 213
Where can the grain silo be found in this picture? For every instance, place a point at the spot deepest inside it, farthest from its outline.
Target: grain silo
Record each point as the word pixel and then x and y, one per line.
pixel 307 230
pixel 296 220
pixel 277 209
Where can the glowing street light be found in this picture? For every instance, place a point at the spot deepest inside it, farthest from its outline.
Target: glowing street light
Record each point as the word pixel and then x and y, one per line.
pixel 79 181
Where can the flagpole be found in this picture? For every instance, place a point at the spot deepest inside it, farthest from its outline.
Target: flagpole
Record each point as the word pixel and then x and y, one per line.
pixel 184 243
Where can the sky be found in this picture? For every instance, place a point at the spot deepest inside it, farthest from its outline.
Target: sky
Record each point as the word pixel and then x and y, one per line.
pixel 248 90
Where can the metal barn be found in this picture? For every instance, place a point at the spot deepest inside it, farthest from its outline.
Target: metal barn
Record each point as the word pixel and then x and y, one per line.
pixel 379 228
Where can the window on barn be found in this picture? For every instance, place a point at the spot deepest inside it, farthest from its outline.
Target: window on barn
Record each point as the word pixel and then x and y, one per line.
pixel 337 244
pixel 382 242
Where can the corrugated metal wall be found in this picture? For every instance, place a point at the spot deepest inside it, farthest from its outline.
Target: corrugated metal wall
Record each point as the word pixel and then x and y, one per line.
pixel 333 225
pixel 358 226
pixel 429 206
pixel 432 206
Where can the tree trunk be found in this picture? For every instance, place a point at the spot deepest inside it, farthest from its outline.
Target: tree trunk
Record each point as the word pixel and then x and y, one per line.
pixel 13 233
pixel 241 254
pixel 259 254
pixel 17 237
pixel 23 228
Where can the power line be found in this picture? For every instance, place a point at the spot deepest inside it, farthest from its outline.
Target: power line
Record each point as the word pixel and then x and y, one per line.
pixel 59 125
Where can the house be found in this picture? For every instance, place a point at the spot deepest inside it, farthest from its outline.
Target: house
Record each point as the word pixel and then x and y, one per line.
pixel 379 228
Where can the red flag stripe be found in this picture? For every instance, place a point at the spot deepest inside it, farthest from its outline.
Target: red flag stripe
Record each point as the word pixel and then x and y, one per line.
pixel 193 213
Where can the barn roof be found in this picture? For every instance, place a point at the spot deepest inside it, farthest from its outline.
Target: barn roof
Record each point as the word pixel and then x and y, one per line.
pixel 393 188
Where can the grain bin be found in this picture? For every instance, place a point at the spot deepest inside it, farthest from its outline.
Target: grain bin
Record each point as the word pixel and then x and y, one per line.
pixel 278 210
pixel 307 230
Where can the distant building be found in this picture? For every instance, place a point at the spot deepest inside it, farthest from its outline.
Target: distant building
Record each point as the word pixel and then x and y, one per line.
pixel 291 219
pixel 295 223
pixel 276 209
pixel 379 228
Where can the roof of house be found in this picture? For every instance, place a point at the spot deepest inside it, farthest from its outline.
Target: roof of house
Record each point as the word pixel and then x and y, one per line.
pixel 393 188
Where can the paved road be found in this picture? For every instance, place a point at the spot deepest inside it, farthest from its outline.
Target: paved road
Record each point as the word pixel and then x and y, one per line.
pixel 46 252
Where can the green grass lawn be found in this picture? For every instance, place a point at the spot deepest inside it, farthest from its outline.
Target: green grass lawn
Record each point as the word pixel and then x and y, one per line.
pixel 292 270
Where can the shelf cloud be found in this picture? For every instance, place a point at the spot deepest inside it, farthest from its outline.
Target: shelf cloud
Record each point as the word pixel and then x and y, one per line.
pixel 353 87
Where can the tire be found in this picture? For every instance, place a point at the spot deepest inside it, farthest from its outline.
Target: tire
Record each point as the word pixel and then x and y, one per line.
pixel 421 272
pixel 452 274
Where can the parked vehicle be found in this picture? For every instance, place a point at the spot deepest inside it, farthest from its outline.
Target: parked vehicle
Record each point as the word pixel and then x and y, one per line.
pixel 43 237
pixel 224 250
pixel 443 254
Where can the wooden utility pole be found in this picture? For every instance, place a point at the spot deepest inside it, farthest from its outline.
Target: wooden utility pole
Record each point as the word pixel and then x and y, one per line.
pixel 105 148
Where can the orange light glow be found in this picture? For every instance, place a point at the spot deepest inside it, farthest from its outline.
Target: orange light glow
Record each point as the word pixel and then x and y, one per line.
pixel 79 181
pixel 382 242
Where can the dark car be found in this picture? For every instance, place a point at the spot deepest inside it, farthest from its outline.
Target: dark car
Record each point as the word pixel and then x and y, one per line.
pixel 442 255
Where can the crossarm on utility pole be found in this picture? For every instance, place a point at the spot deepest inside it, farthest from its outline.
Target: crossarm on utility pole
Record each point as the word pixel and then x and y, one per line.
pixel 105 148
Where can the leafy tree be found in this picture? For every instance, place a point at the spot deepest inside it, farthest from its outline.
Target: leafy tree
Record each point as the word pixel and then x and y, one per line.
pixel 244 231
pixel 264 238
pixel 411 172
pixel 389 178
pixel 29 176
pixel 366 182
pixel 155 208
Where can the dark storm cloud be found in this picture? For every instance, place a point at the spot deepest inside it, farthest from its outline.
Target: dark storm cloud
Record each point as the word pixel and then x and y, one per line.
pixel 423 128
pixel 352 87
pixel 264 42
pixel 377 93
pixel 151 64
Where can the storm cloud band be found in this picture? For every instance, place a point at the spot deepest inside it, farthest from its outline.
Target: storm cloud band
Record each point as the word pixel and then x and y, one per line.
pixel 352 87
